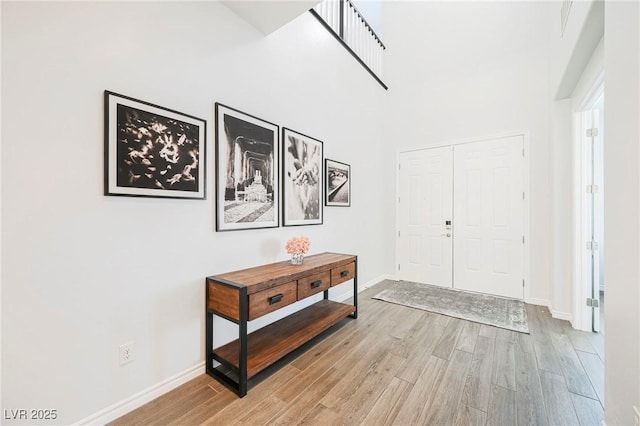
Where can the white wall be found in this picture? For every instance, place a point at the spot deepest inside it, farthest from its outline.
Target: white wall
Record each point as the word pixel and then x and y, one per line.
pixel 622 207
pixel 83 273
pixel 462 70
pixel 562 189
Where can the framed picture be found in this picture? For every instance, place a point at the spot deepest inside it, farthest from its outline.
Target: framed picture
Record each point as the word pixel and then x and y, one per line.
pixel 338 183
pixel 152 151
pixel 247 189
pixel 302 179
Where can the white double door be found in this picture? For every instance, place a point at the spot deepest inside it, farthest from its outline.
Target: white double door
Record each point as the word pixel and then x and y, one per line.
pixel 461 216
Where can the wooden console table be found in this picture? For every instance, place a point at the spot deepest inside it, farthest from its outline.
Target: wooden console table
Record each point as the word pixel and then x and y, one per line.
pixel 245 295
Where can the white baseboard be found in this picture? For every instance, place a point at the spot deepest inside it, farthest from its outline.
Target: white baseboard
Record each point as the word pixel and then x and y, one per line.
pixel 561 315
pixel 362 287
pixel 554 314
pixel 374 281
pixel 539 302
pixel 127 405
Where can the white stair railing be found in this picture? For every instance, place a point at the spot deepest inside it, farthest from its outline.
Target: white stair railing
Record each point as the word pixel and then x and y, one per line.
pixel 348 25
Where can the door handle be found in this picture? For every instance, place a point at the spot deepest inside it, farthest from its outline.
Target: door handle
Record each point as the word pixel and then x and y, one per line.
pixel 448 234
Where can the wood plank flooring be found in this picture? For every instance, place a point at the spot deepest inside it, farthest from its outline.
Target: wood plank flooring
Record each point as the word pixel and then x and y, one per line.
pixel 396 365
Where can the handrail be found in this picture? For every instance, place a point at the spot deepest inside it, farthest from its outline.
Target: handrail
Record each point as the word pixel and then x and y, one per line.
pixel 343 19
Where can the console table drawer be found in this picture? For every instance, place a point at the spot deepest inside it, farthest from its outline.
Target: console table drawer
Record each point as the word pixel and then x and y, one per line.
pixel 343 273
pixel 313 284
pixel 269 300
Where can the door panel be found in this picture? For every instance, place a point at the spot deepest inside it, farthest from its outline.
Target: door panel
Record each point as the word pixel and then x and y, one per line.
pixel 425 187
pixel 488 217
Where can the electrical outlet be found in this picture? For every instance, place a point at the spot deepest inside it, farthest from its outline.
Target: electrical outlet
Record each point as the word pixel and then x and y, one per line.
pixel 127 353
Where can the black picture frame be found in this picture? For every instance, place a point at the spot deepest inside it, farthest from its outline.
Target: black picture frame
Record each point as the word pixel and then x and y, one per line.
pixel 337 177
pixel 302 179
pixel 152 151
pixel 247 171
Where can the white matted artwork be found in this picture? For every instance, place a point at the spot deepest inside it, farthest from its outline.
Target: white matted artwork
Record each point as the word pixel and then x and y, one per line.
pixel 152 151
pixel 247 171
pixel 338 183
pixel 302 179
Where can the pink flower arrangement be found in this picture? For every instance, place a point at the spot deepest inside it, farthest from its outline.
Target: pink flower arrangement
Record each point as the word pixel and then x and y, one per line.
pixel 298 245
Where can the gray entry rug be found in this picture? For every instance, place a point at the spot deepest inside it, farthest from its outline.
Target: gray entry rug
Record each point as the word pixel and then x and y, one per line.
pixel 482 308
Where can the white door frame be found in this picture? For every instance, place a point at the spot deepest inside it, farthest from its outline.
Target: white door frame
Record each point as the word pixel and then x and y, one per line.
pixel 526 187
pixel 582 319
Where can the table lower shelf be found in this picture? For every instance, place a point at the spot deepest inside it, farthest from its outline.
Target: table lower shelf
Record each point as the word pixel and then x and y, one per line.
pixel 268 344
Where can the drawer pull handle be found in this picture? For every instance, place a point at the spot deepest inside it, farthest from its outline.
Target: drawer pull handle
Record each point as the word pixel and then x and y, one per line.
pixel 344 274
pixel 316 283
pixel 276 298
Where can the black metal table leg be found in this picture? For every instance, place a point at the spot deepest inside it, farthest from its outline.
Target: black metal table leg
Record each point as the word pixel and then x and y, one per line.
pixel 208 339
pixel 208 356
pixel 355 290
pixel 242 330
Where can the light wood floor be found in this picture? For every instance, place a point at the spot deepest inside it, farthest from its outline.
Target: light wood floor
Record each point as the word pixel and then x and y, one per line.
pixel 398 365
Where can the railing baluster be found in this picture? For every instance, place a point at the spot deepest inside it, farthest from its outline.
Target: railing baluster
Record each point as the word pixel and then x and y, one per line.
pixel 374 54
pixel 327 13
pixel 354 25
pixel 364 40
pixel 349 39
pixel 369 48
pixel 345 21
pixel 332 14
pixel 359 41
pixel 379 62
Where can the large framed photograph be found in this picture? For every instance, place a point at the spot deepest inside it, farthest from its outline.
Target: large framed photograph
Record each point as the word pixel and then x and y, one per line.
pixel 247 189
pixel 152 151
pixel 338 183
pixel 302 179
